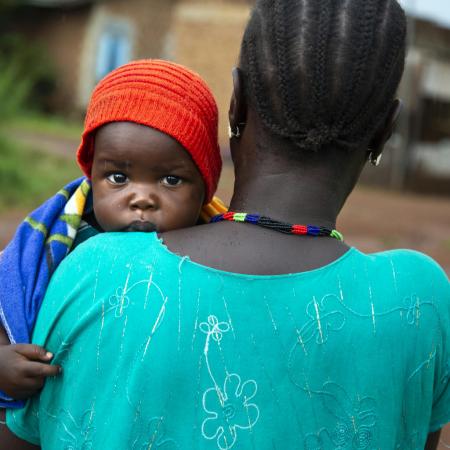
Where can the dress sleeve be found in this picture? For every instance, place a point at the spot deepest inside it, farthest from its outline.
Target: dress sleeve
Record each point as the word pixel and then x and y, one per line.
pixel 441 397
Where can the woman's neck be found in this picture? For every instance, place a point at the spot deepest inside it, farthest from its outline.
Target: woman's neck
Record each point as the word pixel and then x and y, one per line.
pixel 276 179
pixel 289 196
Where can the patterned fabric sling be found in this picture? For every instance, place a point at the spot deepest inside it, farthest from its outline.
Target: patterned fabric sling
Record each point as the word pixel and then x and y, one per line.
pixel 41 242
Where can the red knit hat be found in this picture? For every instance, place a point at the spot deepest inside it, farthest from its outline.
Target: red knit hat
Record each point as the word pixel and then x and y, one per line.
pixel 162 95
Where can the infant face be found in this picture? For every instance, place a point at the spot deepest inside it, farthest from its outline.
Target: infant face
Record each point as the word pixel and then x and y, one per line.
pixel 143 180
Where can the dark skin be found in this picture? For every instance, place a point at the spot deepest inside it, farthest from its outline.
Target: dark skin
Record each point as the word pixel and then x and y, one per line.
pixel 22 373
pixel 23 367
pixel 143 180
pixel 264 184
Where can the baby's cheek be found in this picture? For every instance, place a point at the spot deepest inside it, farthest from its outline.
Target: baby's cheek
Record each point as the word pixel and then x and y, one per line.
pixel 107 214
pixel 192 209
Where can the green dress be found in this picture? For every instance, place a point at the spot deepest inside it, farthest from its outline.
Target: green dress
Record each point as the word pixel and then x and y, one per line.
pixel 159 352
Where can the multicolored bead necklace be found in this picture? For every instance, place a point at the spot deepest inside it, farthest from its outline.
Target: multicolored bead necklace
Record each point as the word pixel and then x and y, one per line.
pixel 282 227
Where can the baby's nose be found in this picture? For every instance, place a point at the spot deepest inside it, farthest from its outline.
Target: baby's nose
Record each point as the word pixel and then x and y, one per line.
pixel 143 199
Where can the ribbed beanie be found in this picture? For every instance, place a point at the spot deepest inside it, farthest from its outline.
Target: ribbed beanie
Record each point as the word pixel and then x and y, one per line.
pixel 162 95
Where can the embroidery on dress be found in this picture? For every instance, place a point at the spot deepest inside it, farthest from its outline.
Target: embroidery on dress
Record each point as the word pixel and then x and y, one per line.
pixel 229 407
pixel 153 435
pixel 412 310
pixel 120 301
pixel 76 432
pixel 329 316
pixel 323 318
pixel 355 421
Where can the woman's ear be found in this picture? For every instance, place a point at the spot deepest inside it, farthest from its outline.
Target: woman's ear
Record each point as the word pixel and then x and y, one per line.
pixel 384 132
pixel 237 114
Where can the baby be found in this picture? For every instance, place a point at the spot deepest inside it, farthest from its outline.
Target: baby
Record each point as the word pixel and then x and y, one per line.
pixel 150 151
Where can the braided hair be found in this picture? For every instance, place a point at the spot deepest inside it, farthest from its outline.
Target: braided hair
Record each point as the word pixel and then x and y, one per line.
pixel 322 72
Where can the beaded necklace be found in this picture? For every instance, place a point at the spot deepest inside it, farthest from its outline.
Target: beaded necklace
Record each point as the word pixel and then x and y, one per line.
pixel 282 227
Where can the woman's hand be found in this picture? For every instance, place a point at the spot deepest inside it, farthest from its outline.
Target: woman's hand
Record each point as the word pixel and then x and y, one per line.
pixel 23 369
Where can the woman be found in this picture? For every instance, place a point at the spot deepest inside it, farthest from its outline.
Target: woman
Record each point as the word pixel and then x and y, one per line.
pixel 322 346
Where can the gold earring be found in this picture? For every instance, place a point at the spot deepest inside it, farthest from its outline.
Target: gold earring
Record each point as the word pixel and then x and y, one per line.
pixel 233 134
pixel 375 161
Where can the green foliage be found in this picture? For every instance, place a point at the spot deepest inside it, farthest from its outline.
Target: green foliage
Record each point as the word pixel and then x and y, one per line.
pixel 9 5
pixel 29 176
pixel 26 76
pixel 55 126
pixel 14 90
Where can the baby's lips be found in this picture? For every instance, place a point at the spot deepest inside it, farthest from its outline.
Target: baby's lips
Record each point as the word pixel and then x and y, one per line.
pixel 141 225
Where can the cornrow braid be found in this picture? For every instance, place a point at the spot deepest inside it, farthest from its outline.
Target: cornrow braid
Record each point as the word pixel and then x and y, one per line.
pixel 262 105
pixel 392 67
pixel 364 35
pixel 279 36
pixel 319 84
pixel 322 72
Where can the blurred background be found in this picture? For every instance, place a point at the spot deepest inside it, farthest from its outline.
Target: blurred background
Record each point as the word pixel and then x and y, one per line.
pixel 53 52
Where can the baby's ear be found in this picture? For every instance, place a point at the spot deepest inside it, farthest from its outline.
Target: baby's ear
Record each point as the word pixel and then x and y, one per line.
pixel 384 132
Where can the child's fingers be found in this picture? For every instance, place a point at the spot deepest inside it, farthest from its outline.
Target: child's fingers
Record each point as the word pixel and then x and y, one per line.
pixel 33 352
pixel 32 384
pixel 40 370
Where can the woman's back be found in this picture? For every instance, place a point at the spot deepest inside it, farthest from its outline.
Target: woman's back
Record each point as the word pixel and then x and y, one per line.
pixel 211 359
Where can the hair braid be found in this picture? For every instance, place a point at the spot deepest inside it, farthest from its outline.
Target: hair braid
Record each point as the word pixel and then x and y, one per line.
pixel 323 71
pixel 260 100
pixel 279 36
pixel 393 63
pixel 364 52
pixel 319 80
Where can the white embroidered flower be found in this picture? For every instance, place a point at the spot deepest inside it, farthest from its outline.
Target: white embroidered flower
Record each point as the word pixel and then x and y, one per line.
pixel 229 411
pixel 119 302
pixel 214 328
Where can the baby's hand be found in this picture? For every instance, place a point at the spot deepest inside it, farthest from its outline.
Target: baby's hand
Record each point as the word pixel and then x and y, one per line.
pixel 23 369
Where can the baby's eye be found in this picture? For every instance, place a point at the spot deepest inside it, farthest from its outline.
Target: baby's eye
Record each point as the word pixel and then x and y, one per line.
pixel 117 178
pixel 172 180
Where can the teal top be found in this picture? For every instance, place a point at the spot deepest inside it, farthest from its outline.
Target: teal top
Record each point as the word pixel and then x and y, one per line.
pixel 161 352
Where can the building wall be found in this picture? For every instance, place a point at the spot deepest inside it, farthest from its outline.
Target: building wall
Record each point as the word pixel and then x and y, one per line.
pixel 431 38
pixel 61 34
pixel 416 156
pixel 205 35
pixel 148 22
